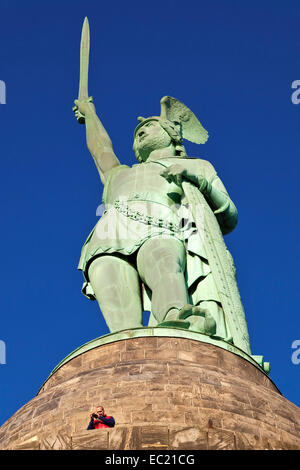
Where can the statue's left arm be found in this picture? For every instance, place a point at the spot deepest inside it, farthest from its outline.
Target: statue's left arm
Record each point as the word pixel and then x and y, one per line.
pixel 210 185
pixel 218 198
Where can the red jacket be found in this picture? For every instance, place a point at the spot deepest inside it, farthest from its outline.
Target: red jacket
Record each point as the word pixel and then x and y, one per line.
pixel 103 422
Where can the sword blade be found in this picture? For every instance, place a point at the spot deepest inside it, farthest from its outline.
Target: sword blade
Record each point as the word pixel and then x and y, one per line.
pixel 84 60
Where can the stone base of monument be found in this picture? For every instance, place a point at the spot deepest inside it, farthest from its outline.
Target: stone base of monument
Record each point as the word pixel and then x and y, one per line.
pixel 165 389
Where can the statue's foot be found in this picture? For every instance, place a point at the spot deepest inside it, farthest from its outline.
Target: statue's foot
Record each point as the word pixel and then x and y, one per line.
pixel 192 318
pixel 202 321
pixel 177 318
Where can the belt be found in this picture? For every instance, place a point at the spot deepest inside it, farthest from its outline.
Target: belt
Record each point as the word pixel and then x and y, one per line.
pixel 123 208
pixel 148 196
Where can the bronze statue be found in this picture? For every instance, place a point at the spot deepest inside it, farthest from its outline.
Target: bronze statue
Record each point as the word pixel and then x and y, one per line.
pixel 159 243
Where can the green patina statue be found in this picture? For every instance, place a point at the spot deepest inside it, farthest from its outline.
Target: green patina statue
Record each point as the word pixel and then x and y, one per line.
pixel 159 243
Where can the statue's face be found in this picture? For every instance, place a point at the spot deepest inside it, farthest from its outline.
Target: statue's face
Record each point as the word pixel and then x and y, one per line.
pixel 151 136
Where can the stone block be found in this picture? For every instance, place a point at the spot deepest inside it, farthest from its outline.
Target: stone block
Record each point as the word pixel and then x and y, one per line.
pixel 33 443
pixel 230 422
pixel 141 343
pixel 55 441
pixel 247 441
pixel 133 355
pixel 117 438
pixel 154 437
pixel 190 438
pixel 197 357
pixel 141 417
pixel 95 439
pixel 221 440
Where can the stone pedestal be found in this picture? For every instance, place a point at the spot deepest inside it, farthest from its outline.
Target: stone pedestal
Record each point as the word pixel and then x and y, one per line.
pixel 164 393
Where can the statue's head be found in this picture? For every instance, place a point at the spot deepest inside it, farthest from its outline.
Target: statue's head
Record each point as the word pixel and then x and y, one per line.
pixel 155 133
pixel 167 130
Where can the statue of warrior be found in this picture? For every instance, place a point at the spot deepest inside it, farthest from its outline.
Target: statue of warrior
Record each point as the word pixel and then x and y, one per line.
pixel 159 243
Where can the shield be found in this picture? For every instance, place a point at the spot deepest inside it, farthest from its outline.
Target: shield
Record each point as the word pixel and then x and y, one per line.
pixel 222 267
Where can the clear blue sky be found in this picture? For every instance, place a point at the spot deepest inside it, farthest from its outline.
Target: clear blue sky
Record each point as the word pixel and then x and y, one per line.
pixel 233 63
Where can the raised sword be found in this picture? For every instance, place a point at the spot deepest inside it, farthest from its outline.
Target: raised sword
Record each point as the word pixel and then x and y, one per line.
pixel 83 94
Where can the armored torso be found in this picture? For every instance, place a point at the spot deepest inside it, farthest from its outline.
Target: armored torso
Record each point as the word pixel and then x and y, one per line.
pixel 139 203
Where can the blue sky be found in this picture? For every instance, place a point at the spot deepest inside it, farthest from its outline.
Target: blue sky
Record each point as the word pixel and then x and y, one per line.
pixel 233 64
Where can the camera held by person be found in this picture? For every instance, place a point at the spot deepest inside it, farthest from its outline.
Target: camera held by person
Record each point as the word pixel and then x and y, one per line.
pixel 99 419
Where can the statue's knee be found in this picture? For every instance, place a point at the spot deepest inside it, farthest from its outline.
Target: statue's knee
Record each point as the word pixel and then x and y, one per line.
pixel 170 261
pixel 103 266
pixel 94 267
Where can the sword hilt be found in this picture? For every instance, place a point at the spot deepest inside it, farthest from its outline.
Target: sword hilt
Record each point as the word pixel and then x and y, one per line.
pixel 79 116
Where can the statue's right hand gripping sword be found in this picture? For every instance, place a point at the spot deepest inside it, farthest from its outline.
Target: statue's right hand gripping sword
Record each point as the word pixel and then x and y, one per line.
pixel 84 70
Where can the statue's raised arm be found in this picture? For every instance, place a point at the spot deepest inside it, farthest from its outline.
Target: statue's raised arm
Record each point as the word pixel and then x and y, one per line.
pixel 98 141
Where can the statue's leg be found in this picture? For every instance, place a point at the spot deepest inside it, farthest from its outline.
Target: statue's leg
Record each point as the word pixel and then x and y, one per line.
pixel 206 298
pixel 161 265
pixel 116 286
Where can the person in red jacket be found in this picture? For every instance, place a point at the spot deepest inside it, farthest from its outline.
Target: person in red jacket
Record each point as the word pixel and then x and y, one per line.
pixel 99 419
